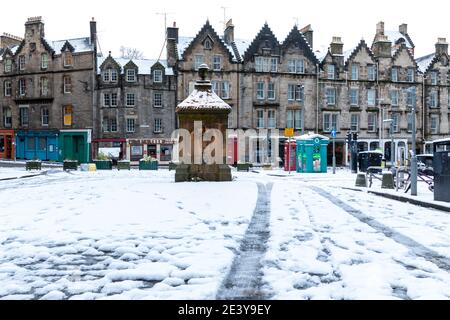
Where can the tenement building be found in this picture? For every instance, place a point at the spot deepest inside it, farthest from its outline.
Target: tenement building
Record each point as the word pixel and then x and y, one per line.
pixel 370 89
pixel 46 97
pixel 134 109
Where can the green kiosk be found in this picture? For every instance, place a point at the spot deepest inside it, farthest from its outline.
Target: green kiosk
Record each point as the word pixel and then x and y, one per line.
pixel 312 153
pixel 75 145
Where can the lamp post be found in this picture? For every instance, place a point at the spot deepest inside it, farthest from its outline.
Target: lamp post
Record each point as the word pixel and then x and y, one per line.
pixel 412 90
pixel 391 131
pixel 301 92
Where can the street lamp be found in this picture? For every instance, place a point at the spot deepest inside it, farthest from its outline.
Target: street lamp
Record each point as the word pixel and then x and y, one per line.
pixel 412 91
pixel 391 132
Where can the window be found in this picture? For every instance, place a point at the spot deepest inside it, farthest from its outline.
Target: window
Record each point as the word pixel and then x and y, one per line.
pixel 266 64
pixel 131 75
pixel 271 119
pixel 23 116
pixel 21 62
pixel 22 87
pixel 207 44
pixel 217 63
pixel 131 101
pixel 106 99
pixel 394 74
pixel 113 99
pixel 331 96
pixel 410 75
pixel 433 99
pixel 158 126
pixel 259 119
pixel 198 61
pixel 260 90
pixel 44 87
pixel 106 75
pixel 409 98
pixel 355 72
pixel 8 88
pixel 44 61
pixel 105 124
pixel 131 125
pixel 291 92
pixel 68 59
pixel 371 122
pixel 8 65
pixel 157 100
pixel 330 71
pixel 394 98
pixel 7 117
pixel 371 72
pixel 225 94
pixel 396 122
pixel 296 66
pixel 157 76
pixel 434 124
pixel 114 75
pixel 68 115
pixel 434 78
pixel 330 121
pixel 371 97
pixel 409 119
pixel 448 102
pixel 354 122
pixel 354 95
pixel 44 117
pixel 113 124
pixel 271 91
pixel 293 119
pixel 67 84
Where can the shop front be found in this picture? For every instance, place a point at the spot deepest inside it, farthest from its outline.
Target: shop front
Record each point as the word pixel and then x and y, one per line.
pixel 160 149
pixel 39 145
pixel 7 144
pixel 75 145
pixel 115 146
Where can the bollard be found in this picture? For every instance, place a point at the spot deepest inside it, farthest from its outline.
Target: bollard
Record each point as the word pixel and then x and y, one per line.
pixel 361 180
pixel 388 181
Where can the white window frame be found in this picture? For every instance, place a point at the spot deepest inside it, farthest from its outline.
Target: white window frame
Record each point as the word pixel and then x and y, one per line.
pixel 67 83
pixel 371 72
pixel 114 99
pixel 371 97
pixel 106 99
pixel 434 124
pixel 271 95
pixel 298 119
pixel 68 59
pixel 271 119
pixel 113 124
pixel 260 90
pixel 7 117
pixel 44 60
pixel 157 76
pixel 434 100
pixel 354 122
pixel 354 97
pixel 199 59
pixel 106 76
pixel 290 118
pixel 225 90
pixel 131 75
pixel 331 96
pixel 45 115
pixel 25 117
pixel 331 71
pixel 434 78
pixel 156 100
pixel 22 63
pixel 396 122
pixel 355 72
pixel 330 121
pixel 7 88
pixel 8 65
pixel 130 97
pixel 22 87
pixel 372 120
pixel 394 74
pixel 158 125
pixel 131 125
pixel 44 88
pixel 394 98
pixel 260 119
pixel 410 76
pixel 217 62
pixel 273 64
pixel 114 75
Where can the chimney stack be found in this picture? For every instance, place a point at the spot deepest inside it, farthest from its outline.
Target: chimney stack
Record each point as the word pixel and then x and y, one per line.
pixel 403 29
pixel 380 28
pixel 93 29
pixel 34 29
pixel 229 32
pixel 171 47
pixel 308 34
pixel 172 33
pixel 336 46
pixel 441 46
pixel 381 47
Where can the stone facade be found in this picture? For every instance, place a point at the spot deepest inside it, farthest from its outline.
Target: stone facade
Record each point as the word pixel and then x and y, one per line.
pixel 135 107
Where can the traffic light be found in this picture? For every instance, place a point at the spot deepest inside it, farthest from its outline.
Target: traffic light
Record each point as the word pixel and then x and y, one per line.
pixel 349 138
pixel 355 136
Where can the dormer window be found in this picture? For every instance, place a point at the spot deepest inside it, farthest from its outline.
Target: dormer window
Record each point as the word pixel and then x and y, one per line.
pixel 8 65
pixel 68 59
pixel 131 75
pixel 114 75
pixel 21 62
pixel 44 61
pixel 207 44
pixel 106 75
pixel 157 76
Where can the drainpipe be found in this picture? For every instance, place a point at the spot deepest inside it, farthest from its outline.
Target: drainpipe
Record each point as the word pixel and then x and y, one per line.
pixel 317 99
pixel 423 109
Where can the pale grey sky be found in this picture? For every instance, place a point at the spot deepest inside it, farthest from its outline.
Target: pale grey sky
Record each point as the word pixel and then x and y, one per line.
pixel 136 23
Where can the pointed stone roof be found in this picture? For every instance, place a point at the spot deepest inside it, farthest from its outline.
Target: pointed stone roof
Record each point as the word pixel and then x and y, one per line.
pixel 67 46
pixel 295 36
pixel 361 46
pixel 263 35
pixel 400 49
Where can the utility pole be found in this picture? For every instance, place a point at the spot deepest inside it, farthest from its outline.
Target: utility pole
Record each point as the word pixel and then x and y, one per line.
pixel 165 14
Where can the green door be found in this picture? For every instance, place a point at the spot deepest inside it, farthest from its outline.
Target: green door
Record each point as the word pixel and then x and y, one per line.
pixel 79 148
pixel 68 148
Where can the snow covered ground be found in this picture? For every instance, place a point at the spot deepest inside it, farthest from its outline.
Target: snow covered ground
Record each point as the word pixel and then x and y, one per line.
pixel 138 235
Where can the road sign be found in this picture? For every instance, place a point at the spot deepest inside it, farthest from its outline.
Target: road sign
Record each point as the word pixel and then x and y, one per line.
pixel 289 132
pixel 333 134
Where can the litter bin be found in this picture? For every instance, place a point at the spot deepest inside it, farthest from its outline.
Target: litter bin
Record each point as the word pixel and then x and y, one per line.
pixel 441 165
pixel 368 159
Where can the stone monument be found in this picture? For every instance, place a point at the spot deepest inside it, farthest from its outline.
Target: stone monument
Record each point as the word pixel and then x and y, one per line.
pixel 204 115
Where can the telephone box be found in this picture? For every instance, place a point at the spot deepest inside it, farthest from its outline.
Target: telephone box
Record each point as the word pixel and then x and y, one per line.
pixel 312 153
pixel 290 156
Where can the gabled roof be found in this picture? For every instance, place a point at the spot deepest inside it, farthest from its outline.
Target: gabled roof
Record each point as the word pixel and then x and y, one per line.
pixel 109 59
pixel 67 46
pixel 361 46
pixel 425 63
pixel 130 65
pixel 295 36
pixel 395 36
pixel 78 45
pixel 404 47
pixel 208 29
pixel 263 35
pixel 144 65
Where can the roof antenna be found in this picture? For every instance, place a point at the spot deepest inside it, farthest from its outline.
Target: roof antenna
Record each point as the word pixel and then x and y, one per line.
pixel 165 14
pixel 224 17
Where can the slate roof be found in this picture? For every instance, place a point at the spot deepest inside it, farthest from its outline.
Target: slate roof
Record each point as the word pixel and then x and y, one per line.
pixel 144 65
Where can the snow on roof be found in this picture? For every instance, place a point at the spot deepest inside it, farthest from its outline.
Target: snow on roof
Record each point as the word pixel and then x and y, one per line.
pixel 394 36
pixel 242 45
pixel 183 43
pixel 312 136
pixel 144 65
pixel 347 54
pixel 424 62
pixel 203 100
pixel 79 44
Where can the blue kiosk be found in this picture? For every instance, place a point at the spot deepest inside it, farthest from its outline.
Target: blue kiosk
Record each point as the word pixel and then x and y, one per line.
pixel 312 153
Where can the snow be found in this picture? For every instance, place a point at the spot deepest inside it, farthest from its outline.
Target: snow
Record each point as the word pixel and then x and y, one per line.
pixel 79 44
pixel 138 235
pixel 200 99
pixel 424 62
pixel 144 65
pixel 394 36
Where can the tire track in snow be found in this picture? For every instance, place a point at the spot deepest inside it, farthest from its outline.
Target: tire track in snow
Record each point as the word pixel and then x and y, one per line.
pixel 418 249
pixel 244 281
